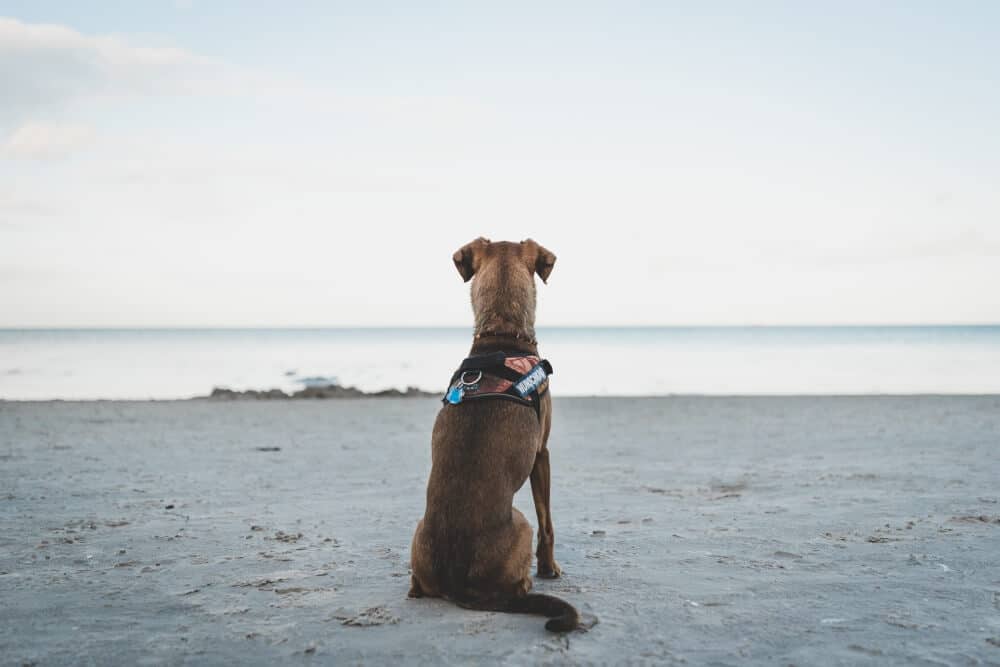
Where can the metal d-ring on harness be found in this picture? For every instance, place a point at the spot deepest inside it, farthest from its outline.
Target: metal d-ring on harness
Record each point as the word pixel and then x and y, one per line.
pixel 490 376
pixel 473 382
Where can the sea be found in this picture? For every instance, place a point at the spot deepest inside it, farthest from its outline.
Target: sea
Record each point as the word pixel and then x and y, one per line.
pixel 136 364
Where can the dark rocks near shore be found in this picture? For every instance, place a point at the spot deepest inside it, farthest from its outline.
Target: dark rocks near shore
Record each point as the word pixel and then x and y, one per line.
pixel 329 391
pixel 253 394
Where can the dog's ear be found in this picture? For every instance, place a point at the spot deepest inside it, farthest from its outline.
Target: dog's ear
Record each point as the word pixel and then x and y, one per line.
pixel 545 259
pixel 466 258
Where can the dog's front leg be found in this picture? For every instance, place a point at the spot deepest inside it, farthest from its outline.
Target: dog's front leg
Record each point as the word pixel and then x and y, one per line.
pixel 540 476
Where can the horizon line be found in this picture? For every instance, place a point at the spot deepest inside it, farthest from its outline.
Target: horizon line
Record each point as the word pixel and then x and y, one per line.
pixel 349 327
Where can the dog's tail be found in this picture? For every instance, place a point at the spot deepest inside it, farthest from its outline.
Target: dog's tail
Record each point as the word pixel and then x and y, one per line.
pixel 563 616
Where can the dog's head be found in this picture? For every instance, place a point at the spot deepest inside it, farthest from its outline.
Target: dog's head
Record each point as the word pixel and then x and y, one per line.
pixel 503 289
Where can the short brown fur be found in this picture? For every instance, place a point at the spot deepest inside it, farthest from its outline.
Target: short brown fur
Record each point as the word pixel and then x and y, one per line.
pixel 473 546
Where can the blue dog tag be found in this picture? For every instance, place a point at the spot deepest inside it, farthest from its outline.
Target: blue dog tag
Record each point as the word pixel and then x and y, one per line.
pixel 455 394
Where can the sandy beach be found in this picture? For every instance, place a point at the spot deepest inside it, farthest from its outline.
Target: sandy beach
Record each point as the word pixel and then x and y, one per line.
pixel 723 531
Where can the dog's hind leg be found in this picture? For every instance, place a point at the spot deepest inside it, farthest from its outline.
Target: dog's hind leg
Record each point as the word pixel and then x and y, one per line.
pixel 540 484
pixel 422 578
pixel 502 566
pixel 415 590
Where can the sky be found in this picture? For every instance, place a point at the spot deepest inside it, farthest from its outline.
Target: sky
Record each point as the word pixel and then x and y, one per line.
pixel 222 163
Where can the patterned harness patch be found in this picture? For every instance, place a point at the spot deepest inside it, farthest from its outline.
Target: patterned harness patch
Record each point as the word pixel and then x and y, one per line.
pixel 523 379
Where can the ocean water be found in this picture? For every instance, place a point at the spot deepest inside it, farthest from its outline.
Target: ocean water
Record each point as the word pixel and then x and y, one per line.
pixel 182 363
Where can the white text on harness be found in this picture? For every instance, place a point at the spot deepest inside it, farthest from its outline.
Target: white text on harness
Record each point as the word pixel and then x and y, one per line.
pixel 535 377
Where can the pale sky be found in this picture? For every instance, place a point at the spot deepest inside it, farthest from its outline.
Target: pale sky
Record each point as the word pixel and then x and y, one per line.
pixel 218 163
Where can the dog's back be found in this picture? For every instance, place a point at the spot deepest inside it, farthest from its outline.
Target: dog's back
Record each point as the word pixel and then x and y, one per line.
pixel 482 453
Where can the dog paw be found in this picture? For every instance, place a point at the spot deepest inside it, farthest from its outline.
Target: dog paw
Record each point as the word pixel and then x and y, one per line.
pixel 552 571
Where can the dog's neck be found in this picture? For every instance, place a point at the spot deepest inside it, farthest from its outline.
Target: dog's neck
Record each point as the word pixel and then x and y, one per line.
pixel 494 334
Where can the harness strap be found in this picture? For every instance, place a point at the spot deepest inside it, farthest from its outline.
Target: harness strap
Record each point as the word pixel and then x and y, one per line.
pixel 483 361
pixel 495 365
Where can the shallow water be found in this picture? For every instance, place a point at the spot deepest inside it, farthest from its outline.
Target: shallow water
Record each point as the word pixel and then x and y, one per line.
pixel 181 363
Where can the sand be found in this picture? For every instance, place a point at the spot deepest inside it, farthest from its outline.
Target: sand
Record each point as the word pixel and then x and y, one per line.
pixel 723 531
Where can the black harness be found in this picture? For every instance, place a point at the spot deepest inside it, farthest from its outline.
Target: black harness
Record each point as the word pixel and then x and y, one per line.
pixel 496 376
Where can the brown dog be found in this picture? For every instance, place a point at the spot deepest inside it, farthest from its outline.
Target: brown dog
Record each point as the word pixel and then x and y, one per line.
pixel 472 546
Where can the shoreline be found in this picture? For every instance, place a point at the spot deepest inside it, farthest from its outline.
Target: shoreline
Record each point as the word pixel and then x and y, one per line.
pixel 253 395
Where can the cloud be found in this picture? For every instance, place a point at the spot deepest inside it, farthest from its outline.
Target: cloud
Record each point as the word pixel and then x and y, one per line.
pixel 55 80
pixel 46 140
pixel 46 68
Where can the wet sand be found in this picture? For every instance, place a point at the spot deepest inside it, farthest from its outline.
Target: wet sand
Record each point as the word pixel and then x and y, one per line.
pixel 724 531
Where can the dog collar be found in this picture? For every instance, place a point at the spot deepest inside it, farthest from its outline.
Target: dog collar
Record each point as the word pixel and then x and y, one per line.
pixel 490 333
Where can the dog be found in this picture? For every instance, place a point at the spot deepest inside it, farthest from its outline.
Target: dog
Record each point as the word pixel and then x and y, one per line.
pixel 473 547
